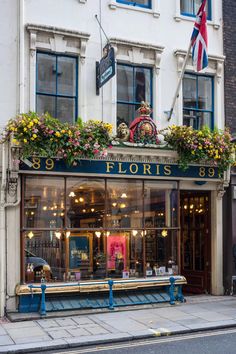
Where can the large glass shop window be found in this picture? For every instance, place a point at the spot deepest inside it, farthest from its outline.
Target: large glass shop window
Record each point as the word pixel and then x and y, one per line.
pixel 77 228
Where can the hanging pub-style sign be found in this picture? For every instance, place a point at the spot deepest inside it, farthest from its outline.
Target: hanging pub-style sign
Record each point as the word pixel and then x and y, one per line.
pixel 105 69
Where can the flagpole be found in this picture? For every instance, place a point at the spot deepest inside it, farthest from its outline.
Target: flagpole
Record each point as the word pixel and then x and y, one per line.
pixel 180 80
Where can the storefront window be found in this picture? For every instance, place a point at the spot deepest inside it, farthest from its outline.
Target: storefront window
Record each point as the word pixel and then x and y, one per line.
pixel 44 205
pixel 124 203
pixel 160 204
pixel 44 256
pixel 77 228
pixel 85 201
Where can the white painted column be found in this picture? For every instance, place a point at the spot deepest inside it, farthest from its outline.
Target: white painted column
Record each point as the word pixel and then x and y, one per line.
pixel 217 243
pixel 82 101
pixel 32 72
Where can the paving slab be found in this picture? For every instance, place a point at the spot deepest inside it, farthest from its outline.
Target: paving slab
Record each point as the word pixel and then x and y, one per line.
pixel 5 340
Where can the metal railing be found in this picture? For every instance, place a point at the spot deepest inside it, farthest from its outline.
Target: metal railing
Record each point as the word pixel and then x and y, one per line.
pixel 110 282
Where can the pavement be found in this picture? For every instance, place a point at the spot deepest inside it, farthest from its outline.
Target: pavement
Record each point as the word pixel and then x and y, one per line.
pixel 64 331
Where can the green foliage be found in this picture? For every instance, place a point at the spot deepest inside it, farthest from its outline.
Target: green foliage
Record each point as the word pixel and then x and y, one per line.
pixel 47 136
pixel 214 147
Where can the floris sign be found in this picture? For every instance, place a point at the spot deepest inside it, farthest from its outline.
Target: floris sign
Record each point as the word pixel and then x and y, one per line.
pixel 118 168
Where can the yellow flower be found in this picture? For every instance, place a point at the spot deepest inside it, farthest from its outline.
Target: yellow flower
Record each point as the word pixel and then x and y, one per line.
pixel 15 141
pixel 58 134
pixel 25 129
pixel 36 121
pixel 32 139
pixel 69 133
pixel 35 136
pixel 25 140
pixel 63 131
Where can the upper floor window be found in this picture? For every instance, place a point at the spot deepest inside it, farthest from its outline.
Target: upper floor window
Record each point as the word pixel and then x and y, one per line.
pixel 198 101
pixel 190 7
pixel 142 3
pixel 134 85
pixel 56 86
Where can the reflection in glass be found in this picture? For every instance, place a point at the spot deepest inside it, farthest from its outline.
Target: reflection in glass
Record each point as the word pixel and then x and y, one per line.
pixel 44 257
pixel 85 200
pixel 44 202
pixel 124 212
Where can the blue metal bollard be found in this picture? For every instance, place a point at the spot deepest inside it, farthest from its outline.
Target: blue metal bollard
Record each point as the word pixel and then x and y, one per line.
pixel 43 302
pixel 110 283
pixel 172 290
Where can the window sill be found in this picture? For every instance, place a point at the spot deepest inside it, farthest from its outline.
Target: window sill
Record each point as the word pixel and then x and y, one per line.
pixel 179 17
pixel 114 5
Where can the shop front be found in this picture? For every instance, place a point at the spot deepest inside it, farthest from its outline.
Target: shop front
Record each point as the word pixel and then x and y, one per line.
pixel 126 217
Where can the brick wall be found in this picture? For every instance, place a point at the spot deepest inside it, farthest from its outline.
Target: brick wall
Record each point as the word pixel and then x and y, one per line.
pixel 229 20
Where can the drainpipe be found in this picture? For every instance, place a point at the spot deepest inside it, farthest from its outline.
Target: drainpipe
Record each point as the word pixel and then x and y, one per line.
pixel 3 234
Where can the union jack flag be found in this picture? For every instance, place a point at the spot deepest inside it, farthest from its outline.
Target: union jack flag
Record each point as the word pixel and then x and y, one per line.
pixel 199 39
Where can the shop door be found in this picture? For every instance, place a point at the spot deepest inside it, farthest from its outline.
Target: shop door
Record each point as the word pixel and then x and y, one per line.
pixel 196 241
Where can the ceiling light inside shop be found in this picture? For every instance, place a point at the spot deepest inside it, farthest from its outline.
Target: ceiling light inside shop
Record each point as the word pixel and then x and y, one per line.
pixel 164 233
pixel 30 235
pixel 185 207
pixel 54 214
pixel 108 233
pixel 124 195
pixel 84 210
pixel 45 207
pixel 122 205
pixel 98 234
pixel 191 206
pixel 76 201
pixel 114 204
pixel 81 199
pixel 72 194
pixel 92 210
pixel 134 232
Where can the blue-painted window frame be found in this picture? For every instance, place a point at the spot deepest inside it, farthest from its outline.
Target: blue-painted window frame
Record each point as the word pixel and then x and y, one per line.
pixel 134 103
pixel 148 6
pixel 75 97
pixel 196 109
pixel 194 12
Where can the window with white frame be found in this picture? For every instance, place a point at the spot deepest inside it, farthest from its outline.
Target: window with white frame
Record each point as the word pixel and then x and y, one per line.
pixel 198 101
pixel 142 3
pixel 134 85
pixel 56 86
pixel 190 8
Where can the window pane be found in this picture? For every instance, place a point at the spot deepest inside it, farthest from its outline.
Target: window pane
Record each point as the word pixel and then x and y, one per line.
pixel 189 91
pixel 146 3
pixel 46 73
pixel 44 256
pixel 142 85
pixel 124 204
pixel 160 204
pixel 85 200
pixel 186 6
pixel 205 93
pixel 66 76
pixel 125 83
pixel 197 119
pixel 125 113
pixel 46 104
pixel 66 109
pixel 161 252
pixel 44 202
